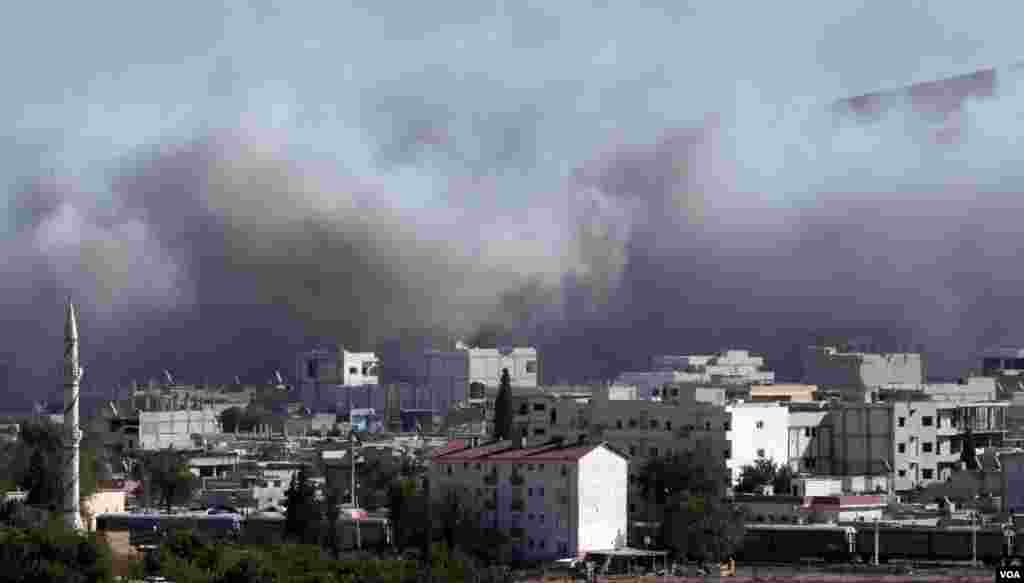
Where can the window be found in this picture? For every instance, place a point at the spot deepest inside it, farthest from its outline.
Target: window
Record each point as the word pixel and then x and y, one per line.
pixel 540 492
pixel 727 426
pixel 539 407
pixel 531 367
pixel 901 448
pixel 902 473
pixel 565 471
pixel 277 483
pixel 632 450
pixel 654 392
pixel 477 465
pixel 465 465
pixel 675 392
pixel 814 431
pixel 449 468
pixel 668 426
pixel 927 421
pixel 927 474
pixel 529 516
pixel 539 431
pixel 654 423
pixel 311 369
pixel 759 425
pixel 632 423
pixel 352 370
pixel 523 409
pixel 707 426
pixel 760 453
pixel 902 421
pixel 926 447
pixel 654 452
pixel 807 431
pixel 728 454
pixel 632 508
pixel 529 491
pixel 618 424
pixel 529 467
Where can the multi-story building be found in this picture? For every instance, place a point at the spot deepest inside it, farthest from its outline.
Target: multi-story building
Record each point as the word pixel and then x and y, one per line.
pixel 810 438
pixel 543 415
pixel 322 373
pixel 648 429
pixel 735 371
pixel 787 392
pixel 757 431
pixel 477 369
pixel 929 437
pixel 552 501
pixel 856 375
pixel 163 429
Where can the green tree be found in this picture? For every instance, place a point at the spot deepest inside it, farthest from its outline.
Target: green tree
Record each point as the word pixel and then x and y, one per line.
pixel 690 489
pixel 168 478
pixel 764 473
pixel 503 408
pixel 302 513
pixel 53 554
pixel 248 570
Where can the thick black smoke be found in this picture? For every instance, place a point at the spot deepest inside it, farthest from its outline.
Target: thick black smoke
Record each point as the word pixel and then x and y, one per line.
pixel 223 256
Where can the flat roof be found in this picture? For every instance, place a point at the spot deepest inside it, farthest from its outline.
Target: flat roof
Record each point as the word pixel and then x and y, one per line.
pixel 629 552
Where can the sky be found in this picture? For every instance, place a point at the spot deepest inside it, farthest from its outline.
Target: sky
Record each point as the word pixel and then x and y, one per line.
pixel 220 185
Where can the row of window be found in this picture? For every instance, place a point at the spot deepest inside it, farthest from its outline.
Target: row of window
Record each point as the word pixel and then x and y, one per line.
pixel 929 447
pixel 926 421
pixel 926 473
pixel 667 425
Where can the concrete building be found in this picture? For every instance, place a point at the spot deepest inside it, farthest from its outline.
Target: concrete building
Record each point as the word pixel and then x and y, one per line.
pixel 735 371
pixel 857 373
pixel 862 439
pixel 163 429
pixel 324 374
pixel 757 431
pixel 810 439
pixel 553 501
pixel 466 371
pixel 648 429
pixel 1012 464
pixel 929 437
pixel 783 392
pixel 543 415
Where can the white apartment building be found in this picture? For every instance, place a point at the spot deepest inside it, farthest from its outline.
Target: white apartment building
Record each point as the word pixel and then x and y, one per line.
pixel 479 367
pixel 734 370
pixel 758 431
pixel 810 439
pixel 552 501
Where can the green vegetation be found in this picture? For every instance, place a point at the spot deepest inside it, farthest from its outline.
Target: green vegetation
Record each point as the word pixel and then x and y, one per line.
pixel 53 554
pixel 698 522
pixel 166 478
pixel 764 473
pixel 503 408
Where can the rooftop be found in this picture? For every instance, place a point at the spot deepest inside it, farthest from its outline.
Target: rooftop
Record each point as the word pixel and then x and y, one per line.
pixel 507 451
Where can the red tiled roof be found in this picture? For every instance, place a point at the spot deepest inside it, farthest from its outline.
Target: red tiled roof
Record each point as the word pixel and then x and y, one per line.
pixel 451 446
pixel 506 452
pixel 466 453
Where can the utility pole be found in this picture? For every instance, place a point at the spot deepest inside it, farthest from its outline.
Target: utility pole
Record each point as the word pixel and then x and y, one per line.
pixel 352 466
pixel 876 542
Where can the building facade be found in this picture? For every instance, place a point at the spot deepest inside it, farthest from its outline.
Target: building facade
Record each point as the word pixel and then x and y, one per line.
pixel 175 429
pixel 830 368
pixel 552 501
pixel 757 431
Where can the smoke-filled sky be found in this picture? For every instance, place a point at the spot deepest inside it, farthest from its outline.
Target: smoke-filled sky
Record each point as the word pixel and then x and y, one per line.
pixel 221 186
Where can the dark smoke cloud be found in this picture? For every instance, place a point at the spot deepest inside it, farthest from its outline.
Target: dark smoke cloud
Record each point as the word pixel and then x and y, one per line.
pixel 229 253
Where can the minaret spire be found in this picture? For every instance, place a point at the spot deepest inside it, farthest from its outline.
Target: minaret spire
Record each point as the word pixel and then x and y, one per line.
pixel 72 433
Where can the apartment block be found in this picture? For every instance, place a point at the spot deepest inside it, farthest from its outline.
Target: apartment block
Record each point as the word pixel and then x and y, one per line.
pixel 758 431
pixel 553 501
pixel 163 429
pixel 810 439
pixel 543 415
pixel 647 429
pixel 323 374
pixel 856 374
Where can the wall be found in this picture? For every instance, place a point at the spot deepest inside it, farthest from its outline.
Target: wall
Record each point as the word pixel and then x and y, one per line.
pixel 1013 482
pixel 862 439
pixel 160 429
pixel 101 502
pixel 758 431
pixel 602 505
pixel 829 368
pixel 810 441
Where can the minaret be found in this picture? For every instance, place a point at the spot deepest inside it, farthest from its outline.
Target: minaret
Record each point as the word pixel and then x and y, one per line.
pixel 72 434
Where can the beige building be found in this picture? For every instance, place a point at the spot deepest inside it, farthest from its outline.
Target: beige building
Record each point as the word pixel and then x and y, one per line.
pixel 543 415
pixel 553 501
pixel 788 392
pixel 163 429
